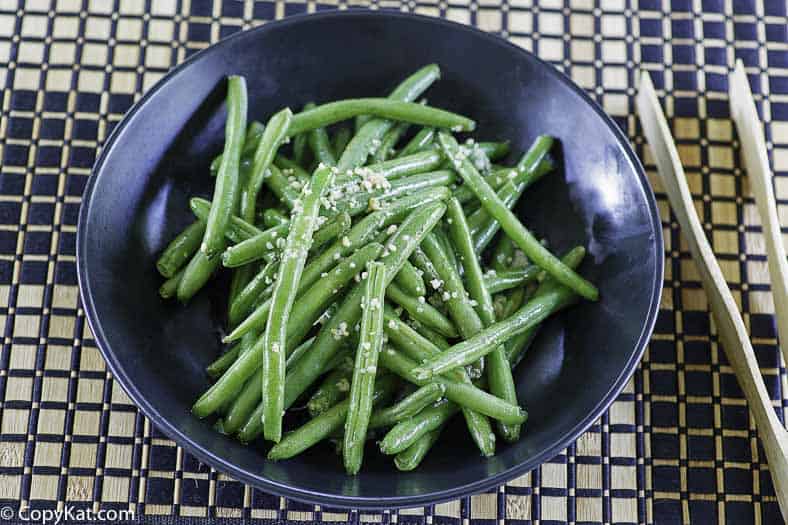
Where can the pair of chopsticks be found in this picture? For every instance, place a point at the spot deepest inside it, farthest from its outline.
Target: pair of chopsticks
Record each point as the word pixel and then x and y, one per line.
pixel 730 325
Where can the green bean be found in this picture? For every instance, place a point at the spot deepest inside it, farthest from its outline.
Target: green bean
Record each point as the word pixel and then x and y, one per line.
pixel 411 457
pixel 195 275
pixel 253 133
pixel 253 427
pixel 291 169
pixel 280 186
pixel 371 130
pixel 409 406
pixel 359 235
pixel 483 226
pixel 299 351
pixel 506 280
pixel 312 299
pixel 238 230
pixel 330 338
pixel 462 393
pixel 181 249
pixel 333 389
pixel 420 310
pixel 252 293
pixel 494 150
pixel 248 398
pixel 405 433
pixel 291 266
pixel 254 248
pixel 419 348
pixel 410 280
pixel 420 141
pixel 227 179
pixel 273 136
pixel 333 112
pixel 499 374
pixel 169 288
pixel 431 335
pixel 448 249
pixel 320 144
pixel 359 200
pixel 324 425
pixel 332 229
pixel 273 217
pixel 459 305
pixel 522 174
pixel 423 263
pixel 502 256
pixel 341 139
pixel 223 362
pixel 516 346
pixel 299 148
pixel 552 296
pixel 512 226
pixel 389 141
pixel 365 369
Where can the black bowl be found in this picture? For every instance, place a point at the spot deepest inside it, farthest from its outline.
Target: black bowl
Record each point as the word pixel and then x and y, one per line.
pixel 137 200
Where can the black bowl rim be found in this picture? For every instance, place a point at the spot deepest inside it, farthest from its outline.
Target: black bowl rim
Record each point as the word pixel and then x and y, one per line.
pixel 336 500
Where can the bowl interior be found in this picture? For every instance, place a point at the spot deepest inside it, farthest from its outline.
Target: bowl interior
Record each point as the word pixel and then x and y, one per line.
pixel 138 200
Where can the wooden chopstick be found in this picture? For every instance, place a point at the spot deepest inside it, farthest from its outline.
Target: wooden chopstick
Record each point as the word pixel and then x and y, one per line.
pixel 730 325
pixel 753 149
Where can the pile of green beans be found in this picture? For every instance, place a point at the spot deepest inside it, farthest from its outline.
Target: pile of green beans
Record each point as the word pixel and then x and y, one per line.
pixel 355 234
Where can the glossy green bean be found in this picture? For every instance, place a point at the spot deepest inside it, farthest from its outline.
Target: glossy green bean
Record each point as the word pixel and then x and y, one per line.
pixel 506 280
pixel 341 139
pixel 409 406
pixel 291 169
pixel 333 389
pixel 254 248
pixel 255 291
pixel 420 310
pixel 169 288
pixel 405 433
pixel 462 393
pixel 330 338
pixel 237 231
pixel 499 373
pixel 429 273
pixel 389 141
pixel 371 130
pixel 418 348
pixel 334 228
pixel 227 179
pixel 273 217
pixel 273 136
pixel 421 140
pixel 253 133
pixel 291 266
pixel 359 199
pixel 552 297
pixel 397 110
pixel 411 457
pixel 320 144
pixel 360 234
pixel 365 369
pixel 195 275
pixel 281 186
pixel 313 299
pixel 431 335
pixel 180 250
pixel 410 280
pixel 324 425
pixel 521 236
pixel 494 150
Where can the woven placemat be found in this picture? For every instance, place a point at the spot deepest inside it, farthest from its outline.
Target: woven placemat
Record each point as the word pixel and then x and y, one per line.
pixel 677 445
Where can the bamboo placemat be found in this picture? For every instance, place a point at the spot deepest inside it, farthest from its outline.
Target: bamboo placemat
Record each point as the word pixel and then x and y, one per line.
pixel 677 445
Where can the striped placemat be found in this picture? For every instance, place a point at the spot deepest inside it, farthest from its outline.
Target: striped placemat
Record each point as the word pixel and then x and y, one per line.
pixel 678 444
